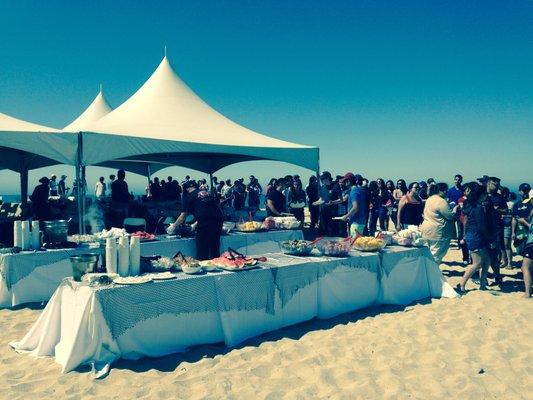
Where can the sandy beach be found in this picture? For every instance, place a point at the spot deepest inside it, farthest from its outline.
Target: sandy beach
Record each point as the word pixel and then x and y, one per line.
pixel 476 347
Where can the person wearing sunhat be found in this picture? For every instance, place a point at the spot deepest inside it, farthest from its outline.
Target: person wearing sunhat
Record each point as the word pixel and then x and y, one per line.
pixel 39 200
pixel 203 205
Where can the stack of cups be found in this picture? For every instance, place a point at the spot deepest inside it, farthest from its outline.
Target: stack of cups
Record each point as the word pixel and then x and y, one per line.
pixel 26 235
pixel 35 235
pixel 123 256
pixel 135 256
pixel 111 255
pixel 17 234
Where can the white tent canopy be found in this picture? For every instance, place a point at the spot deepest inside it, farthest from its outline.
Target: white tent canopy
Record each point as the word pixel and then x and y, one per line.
pixel 96 110
pixel 165 122
pixel 27 145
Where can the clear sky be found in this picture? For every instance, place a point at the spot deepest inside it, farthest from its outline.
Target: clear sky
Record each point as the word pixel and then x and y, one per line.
pixel 390 89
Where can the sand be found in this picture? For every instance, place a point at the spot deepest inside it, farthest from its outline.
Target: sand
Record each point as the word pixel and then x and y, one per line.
pixel 476 347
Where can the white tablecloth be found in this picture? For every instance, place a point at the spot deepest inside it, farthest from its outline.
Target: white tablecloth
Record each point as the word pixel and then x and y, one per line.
pixel 77 329
pixel 34 276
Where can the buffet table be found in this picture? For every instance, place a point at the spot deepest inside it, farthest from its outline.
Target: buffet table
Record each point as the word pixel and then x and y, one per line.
pixel 97 325
pixel 34 276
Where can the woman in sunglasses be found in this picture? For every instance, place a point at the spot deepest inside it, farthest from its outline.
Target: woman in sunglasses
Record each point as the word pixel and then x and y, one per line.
pixel 400 191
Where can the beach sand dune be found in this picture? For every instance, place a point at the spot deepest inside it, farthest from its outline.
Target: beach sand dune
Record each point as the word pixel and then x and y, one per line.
pixel 475 347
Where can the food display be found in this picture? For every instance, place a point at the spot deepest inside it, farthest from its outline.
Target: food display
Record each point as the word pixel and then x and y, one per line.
pixel 80 239
pixel 232 260
pixel 162 264
pixel 368 243
pixel 227 227
pixel 208 265
pixel 143 236
pixel 297 247
pixel 99 278
pixel 187 264
pixel 250 226
pixel 132 280
pixel 334 248
pixel 112 233
pixel 288 222
pixel 408 237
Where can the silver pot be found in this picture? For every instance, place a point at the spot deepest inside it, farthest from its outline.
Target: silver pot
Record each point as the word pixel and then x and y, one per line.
pixel 55 231
pixel 83 264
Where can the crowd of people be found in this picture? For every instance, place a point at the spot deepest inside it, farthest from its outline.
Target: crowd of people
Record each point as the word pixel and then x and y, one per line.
pixel 487 219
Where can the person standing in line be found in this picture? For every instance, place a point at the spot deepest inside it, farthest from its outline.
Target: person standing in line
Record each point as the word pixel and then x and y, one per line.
pixel 275 205
pixel 507 220
pixel 100 189
pixel 461 242
pixel 454 194
pixel 410 208
pixel 400 191
pixel 358 203
pixel 437 227
pixel 109 185
pixel 53 186
pixel 312 195
pixel 521 211
pixel 62 186
pixel 297 200
pixel 330 193
pixel 380 200
pixel 527 261
pixel 390 188
pixel 119 189
pixel 254 194
pixel 478 235
pixel 498 206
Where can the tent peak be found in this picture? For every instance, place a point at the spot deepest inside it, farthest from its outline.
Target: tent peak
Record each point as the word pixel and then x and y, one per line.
pixel 96 110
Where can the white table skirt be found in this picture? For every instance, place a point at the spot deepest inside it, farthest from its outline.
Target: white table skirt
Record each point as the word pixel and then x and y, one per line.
pixel 72 327
pixel 41 283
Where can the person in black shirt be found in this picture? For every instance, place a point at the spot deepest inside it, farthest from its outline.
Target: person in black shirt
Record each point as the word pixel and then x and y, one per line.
pixel 312 196
pixel 208 215
pixel 119 188
pixel 39 200
pixel 275 199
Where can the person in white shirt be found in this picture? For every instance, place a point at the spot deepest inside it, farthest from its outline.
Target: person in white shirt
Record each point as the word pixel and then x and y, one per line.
pixel 437 227
pixel 109 183
pixel 100 189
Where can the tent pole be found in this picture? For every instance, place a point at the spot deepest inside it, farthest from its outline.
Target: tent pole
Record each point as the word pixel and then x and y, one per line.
pixel 79 185
pixel 211 182
pixel 148 172
pixel 318 188
pixel 24 185
pixel 83 195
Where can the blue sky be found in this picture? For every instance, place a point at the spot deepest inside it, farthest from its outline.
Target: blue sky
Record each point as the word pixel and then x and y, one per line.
pixel 385 88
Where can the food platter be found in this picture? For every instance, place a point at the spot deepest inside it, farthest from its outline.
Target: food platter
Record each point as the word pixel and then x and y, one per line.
pixel 245 268
pixel 163 276
pixel 368 244
pixel 132 280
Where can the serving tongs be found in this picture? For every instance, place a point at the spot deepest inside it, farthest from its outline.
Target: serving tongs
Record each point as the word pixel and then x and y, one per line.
pixel 234 255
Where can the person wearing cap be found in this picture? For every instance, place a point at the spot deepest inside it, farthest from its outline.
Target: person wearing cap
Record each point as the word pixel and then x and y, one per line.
pixel 39 199
pixel 331 195
pixel 62 186
pixel 202 204
pixel 53 185
pixel 358 203
pixel 520 212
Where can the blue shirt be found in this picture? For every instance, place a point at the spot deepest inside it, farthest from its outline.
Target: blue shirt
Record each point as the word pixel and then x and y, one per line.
pixel 454 195
pixel 358 194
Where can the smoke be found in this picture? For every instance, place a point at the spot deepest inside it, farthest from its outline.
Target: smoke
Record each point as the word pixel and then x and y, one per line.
pixel 95 218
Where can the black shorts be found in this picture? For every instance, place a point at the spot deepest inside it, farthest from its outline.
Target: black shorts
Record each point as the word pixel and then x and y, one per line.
pixel 528 251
